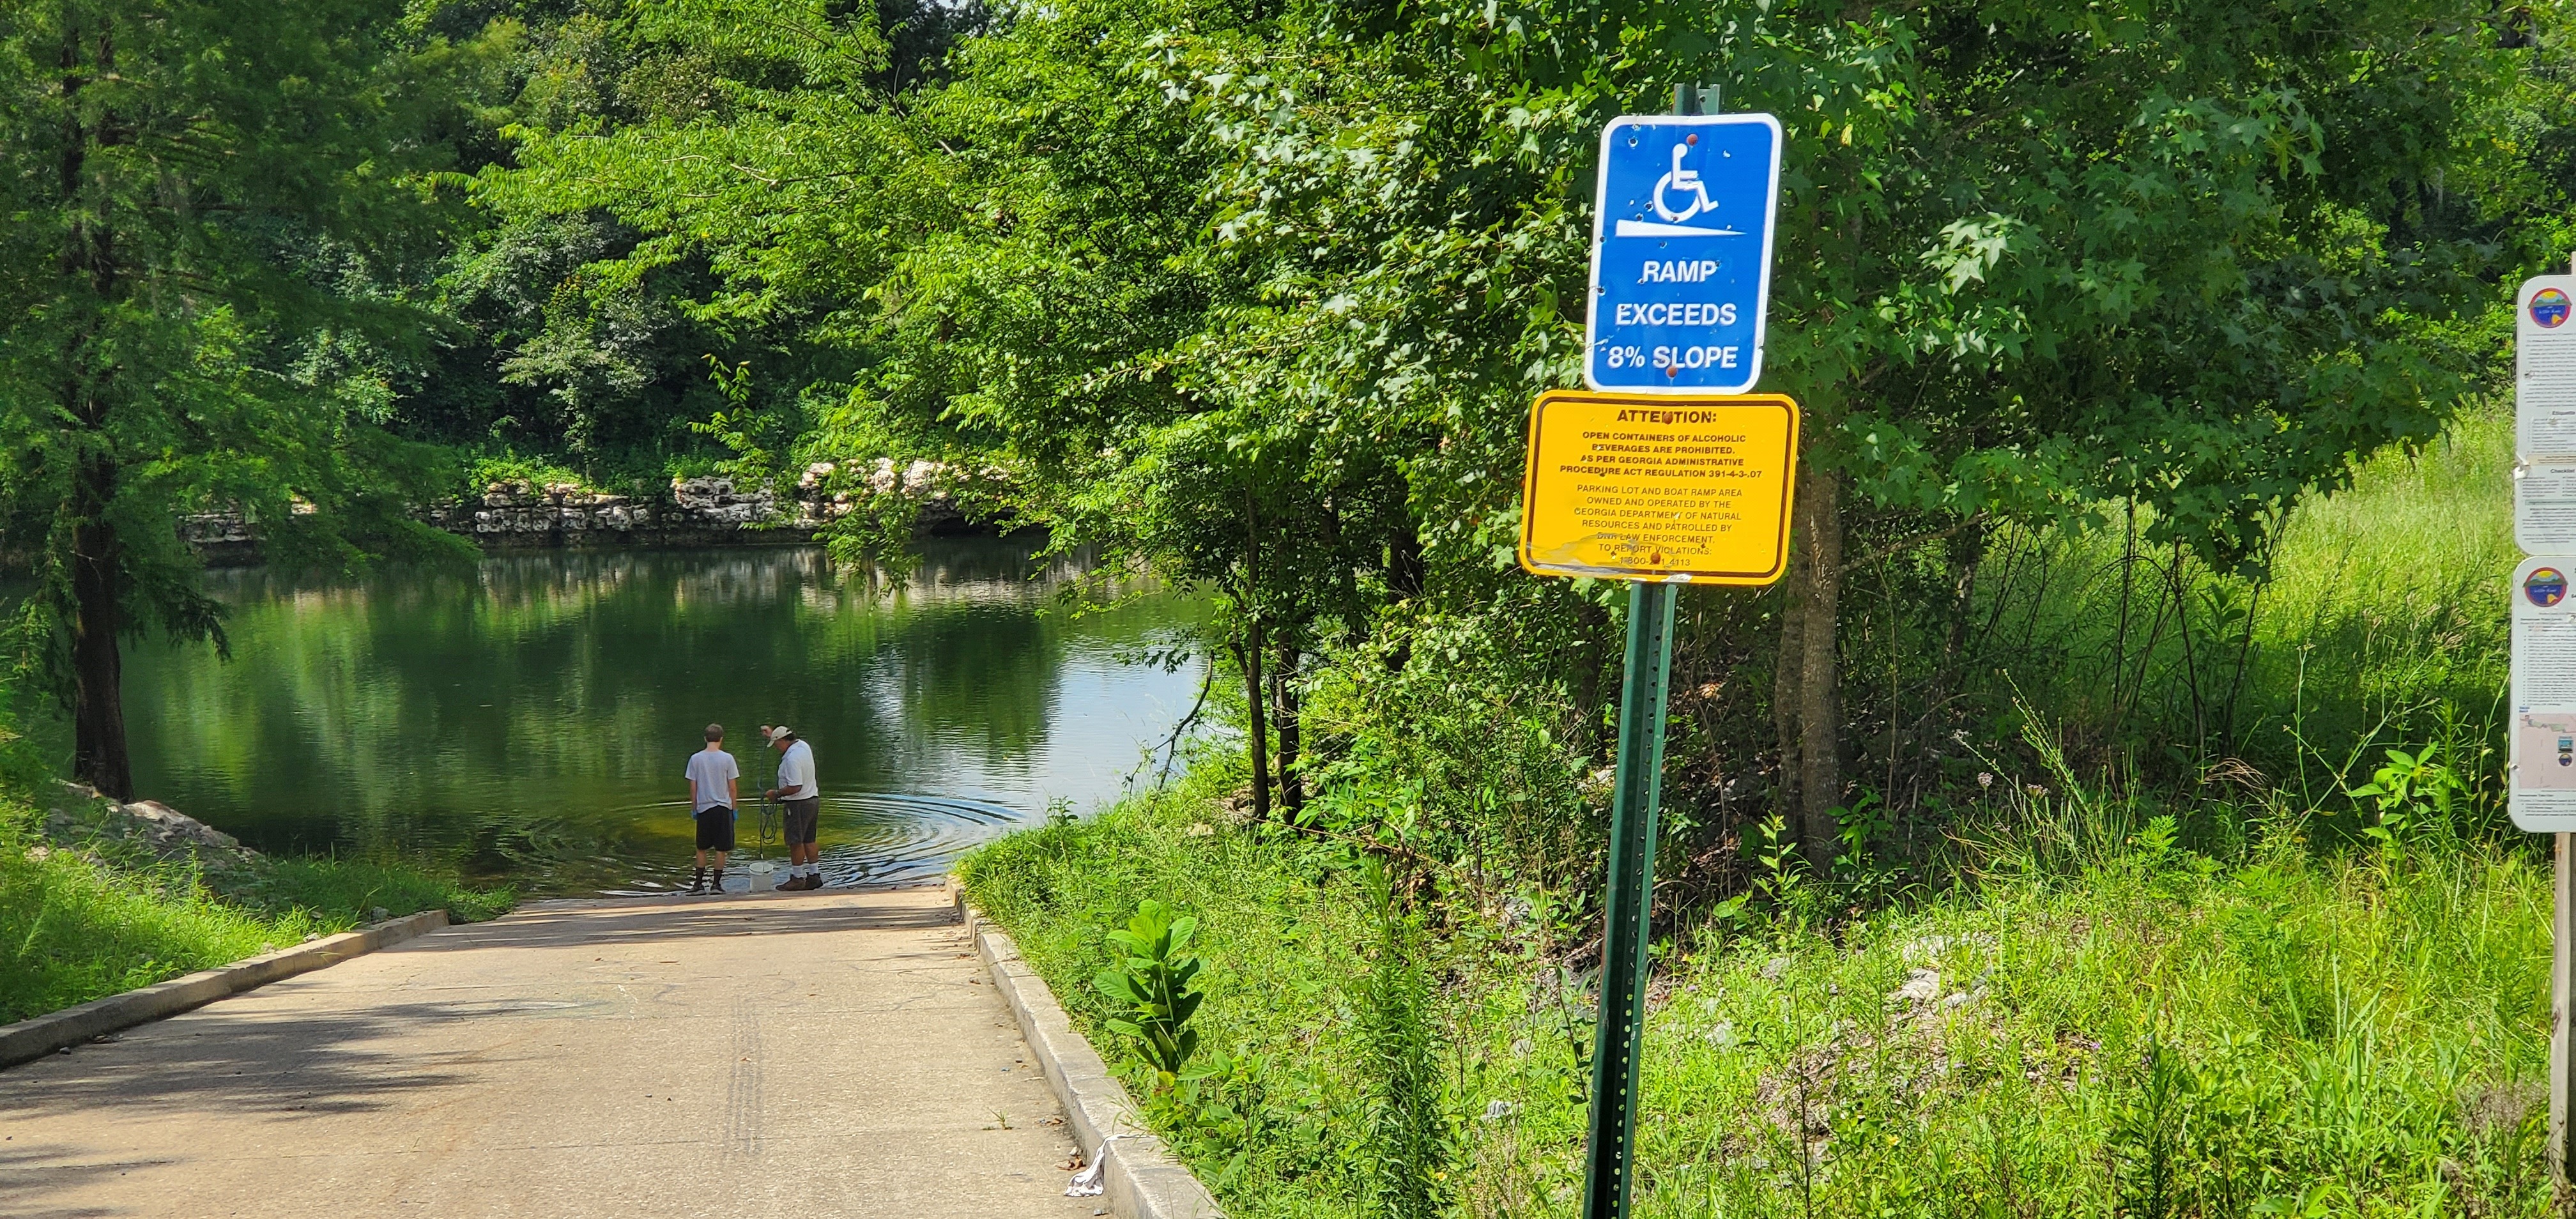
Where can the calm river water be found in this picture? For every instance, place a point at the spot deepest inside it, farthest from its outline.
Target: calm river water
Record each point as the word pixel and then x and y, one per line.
pixel 531 715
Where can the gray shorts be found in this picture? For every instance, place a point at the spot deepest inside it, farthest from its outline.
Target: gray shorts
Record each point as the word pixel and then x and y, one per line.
pixel 803 816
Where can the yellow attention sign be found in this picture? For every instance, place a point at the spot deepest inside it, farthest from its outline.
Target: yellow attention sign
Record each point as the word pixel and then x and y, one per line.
pixel 1657 487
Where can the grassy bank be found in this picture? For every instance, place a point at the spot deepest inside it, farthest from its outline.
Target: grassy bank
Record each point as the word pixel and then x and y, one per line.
pixel 1283 934
pixel 2112 985
pixel 2151 1031
pixel 78 924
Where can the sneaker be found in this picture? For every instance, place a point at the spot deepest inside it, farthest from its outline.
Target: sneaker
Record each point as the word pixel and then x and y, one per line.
pixel 698 884
pixel 718 887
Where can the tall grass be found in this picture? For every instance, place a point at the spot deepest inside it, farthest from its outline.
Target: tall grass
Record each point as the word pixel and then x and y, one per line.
pixel 1290 927
pixel 72 930
pixel 2388 601
pixel 2378 614
pixel 2122 1029
pixel 2155 1036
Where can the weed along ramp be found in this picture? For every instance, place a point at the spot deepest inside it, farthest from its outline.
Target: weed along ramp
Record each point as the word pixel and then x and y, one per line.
pixel 1138 1176
pixel 830 1053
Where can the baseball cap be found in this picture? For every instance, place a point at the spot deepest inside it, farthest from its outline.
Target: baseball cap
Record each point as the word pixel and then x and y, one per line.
pixel 781 733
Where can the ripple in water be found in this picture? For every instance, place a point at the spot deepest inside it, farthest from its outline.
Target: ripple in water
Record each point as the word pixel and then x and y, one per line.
pixel 869 839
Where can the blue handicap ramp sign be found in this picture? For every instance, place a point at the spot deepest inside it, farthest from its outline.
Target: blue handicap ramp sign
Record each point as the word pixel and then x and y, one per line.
pixel 1681 252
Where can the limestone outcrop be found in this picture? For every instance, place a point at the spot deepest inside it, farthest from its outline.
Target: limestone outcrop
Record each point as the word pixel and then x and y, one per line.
pixel 705 511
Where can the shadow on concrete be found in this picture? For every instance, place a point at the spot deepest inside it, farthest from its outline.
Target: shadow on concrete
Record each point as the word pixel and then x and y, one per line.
pixel 274 1074
pixel 254 1065
pixel 30 1173
pixel 260 1064
pixel 656 919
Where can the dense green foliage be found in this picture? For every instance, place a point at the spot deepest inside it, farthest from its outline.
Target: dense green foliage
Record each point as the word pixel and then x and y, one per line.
pixel 1258 295
pixel 2093 308
pixel 2087 996
pixel 211 211
pixel 2140 1030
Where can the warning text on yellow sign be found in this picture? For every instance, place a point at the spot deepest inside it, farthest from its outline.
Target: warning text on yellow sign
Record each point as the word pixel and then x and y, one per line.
pixel 1645 487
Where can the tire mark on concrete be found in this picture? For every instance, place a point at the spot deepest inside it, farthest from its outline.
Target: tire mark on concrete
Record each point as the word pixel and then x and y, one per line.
pixel 742 1089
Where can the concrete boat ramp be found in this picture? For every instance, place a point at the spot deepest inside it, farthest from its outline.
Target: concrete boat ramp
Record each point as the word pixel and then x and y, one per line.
pixel 831 1053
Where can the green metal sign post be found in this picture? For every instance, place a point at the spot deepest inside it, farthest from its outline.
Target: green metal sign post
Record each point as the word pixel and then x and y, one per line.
pixel 1621 1026
pixel 1662 485
pixel 1631 900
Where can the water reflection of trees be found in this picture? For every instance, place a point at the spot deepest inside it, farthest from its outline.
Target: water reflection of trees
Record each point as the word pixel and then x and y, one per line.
pixel 414 706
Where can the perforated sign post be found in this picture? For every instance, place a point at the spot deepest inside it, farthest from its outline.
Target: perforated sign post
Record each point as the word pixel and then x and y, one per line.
pixel 1670 475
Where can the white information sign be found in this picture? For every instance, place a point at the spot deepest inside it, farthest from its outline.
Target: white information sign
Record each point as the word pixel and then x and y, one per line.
pixel 2543 747
pixel 2544 416
pixel 2544 382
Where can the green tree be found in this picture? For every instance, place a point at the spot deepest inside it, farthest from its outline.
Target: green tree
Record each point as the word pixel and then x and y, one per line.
pixel 201 199
pixel 2035 258
pixel 1001 262
pixel 1073 305
pixel 603 286
pixel 1260 294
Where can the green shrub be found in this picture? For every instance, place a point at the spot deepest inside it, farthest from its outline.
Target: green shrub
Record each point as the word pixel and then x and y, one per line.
pixel 1151 982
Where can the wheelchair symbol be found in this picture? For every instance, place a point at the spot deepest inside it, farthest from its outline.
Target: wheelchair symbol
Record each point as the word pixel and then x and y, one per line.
pixel 1684 182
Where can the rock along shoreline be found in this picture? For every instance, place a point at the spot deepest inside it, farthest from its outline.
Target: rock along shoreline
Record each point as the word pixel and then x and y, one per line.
pixel 693 512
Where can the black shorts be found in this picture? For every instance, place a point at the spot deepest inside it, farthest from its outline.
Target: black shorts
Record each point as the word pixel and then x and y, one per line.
pixel 715 829
pixel 803 817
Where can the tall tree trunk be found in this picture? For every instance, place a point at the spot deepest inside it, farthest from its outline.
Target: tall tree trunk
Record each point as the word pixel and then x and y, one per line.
pixel 94 571
pixel 1283 688
pixel 1790 662
pixel 1820 779
pixel 98 692
pixel 1247 655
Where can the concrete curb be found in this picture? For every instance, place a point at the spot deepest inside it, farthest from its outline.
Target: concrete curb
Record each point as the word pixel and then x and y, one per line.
pixel 1144 1181
pixel 33 1038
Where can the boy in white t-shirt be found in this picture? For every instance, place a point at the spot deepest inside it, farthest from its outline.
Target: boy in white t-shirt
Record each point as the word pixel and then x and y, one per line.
pixel 712 799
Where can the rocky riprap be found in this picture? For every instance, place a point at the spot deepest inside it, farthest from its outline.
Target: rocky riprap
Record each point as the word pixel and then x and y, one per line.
pixel 82 819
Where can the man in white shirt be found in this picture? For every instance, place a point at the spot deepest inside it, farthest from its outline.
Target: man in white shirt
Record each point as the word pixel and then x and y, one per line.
pixel 713 795
pixel 804 803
